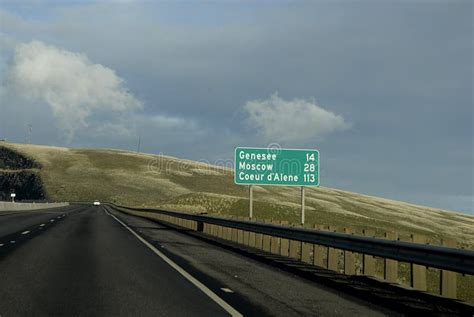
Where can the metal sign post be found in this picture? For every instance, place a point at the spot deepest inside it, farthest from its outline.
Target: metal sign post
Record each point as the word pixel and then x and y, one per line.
pixel 250 201
pixel 302 205
pixel 13 197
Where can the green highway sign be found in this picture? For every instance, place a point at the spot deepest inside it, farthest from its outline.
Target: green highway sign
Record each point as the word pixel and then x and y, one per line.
pixel 275 166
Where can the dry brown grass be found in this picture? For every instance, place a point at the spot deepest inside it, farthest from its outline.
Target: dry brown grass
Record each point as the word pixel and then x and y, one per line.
pixel 168 182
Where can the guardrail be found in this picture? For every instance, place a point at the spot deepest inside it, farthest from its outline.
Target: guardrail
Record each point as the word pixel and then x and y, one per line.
pixel 251 233
pixel 25 206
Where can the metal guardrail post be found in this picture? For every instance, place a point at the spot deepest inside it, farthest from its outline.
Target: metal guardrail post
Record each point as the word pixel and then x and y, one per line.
pixel 266 243
pixel 275 242
pixel 418 272
pixel 349 258
pixel 284 243
pixel 250 201
pixel 448 283
pixel 333 256
pixel 368 261
pixel 302 206
pixel 319 253
pixel 391 266
pixel 200 226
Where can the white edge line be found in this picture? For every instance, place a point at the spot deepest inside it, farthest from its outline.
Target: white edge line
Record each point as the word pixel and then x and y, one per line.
pixel 232 311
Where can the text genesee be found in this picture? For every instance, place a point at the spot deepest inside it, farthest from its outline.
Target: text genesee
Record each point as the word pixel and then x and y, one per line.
pixel 259 156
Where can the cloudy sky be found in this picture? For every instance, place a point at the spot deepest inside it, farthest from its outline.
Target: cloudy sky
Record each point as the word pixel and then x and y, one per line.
pixel 383 89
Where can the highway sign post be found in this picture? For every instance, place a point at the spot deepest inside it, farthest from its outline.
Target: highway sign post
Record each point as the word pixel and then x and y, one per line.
pixel 278 167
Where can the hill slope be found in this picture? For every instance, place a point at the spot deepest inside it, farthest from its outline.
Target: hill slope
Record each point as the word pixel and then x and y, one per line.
pixel 162 181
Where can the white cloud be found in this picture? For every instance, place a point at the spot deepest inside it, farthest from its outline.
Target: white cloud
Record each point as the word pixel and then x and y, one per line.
pixel 88 102
pixel 119 130
pixel 72 86
pixel 168 122
pixel 297 120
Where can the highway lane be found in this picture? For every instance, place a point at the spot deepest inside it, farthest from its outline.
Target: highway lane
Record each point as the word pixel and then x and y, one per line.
pixel 257 289
pixel 19 220
pixel 88 264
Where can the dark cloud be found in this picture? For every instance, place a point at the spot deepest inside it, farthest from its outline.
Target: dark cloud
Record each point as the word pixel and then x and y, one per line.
pixel 399 72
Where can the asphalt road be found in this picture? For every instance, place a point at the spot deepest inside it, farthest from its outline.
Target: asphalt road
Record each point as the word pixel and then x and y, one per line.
pixel 84 261
pixel 89 265
pixel 16 221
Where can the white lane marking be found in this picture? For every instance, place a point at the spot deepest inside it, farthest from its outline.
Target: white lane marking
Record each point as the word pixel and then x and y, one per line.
pixel 25 232
pixel 1 244
pixel 231 310
pixel 52 220
pixel 42 225
pixel 13 241
pixel 227 290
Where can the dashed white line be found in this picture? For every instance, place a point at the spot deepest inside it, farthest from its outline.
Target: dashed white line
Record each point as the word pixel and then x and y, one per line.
pixel 25 232
pixel 13 241
pixel 42 225
pixel 227 290
pixel 231 310
pixel 1 244
pixel 52 220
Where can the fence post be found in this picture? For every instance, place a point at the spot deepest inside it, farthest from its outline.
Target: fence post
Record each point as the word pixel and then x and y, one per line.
pixel 246 238
pixel 349 257
pixel 418 272
pixel 319 252
pixel 233 232
pixel 240 235
pixel 391 266
pixel 200 226
pixel 234 235
pixel 368 261
pixel 448 283
pixel 258 240
pixel 332 255
pixel 295 249
pixel 307 251
pixel 266 245
pixel 275 241
pixel 252 242
pixel 284 243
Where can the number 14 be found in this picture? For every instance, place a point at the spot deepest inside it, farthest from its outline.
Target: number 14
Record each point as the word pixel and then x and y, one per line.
pixel 310 157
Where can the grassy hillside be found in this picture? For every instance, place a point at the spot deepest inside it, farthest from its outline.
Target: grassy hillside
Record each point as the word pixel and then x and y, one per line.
pixel 162 181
